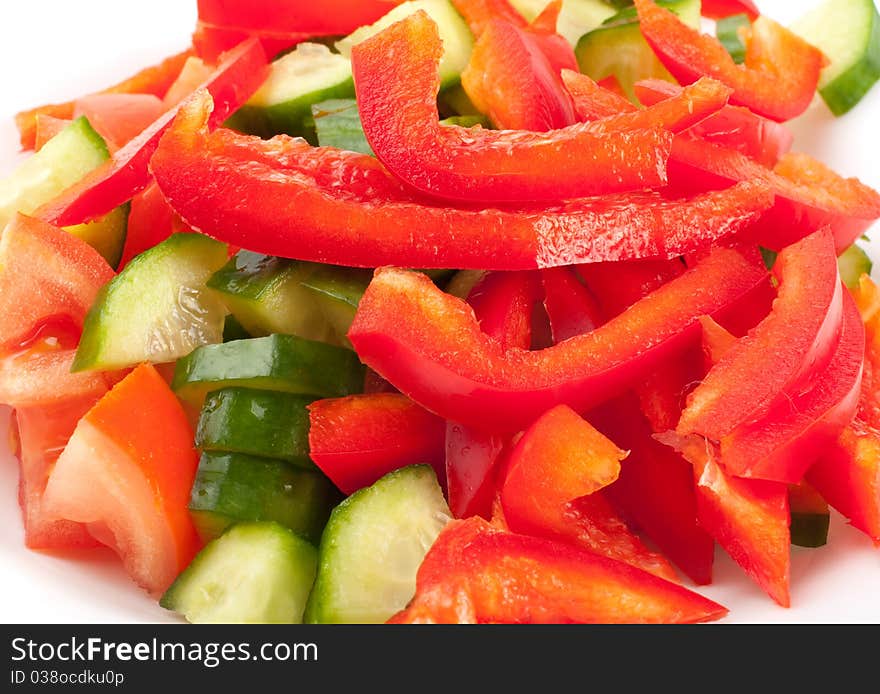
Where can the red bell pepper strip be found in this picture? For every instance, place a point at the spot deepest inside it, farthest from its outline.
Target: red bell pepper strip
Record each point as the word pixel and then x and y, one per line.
pixel 325 18
pixel 479 13
pixel 550 488
pixel 735 127
pixel 719 9
pixel 783 443
pixel 399 114
pixel 357 439
pixel 152 80
pixel 778 78
pixel 283 197
pixel 848 473
pixel 717 341
pixel 210 41
pixel 150 222
pixel 748 518
pixel 429 345
pixel 475 573
pixel 783 353
pixel 502 304
pixel 126 172
pixel 571 307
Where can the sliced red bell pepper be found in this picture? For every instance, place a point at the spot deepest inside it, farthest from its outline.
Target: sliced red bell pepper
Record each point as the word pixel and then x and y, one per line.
pixel 778 78
pixel 783 353
pixel 571 307
pixel 150 221
pixel 210 41
pixel 783 443
pixel 656 491
pixel 283 197
pixel 719 9
pixel 126 172
pixel 502 304
pixel 127 472
pixel 152 80
pixel 748 518
pixel 399 114
pixel 475 573
pixel 550 490
pixel 325 18
pixel 592 101
pixel 717 341
pixel 735 127
pixel 479 13
pixel 429 345
pixel 357 439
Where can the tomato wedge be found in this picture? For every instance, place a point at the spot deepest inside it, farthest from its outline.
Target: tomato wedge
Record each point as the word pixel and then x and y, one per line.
pixel 119 118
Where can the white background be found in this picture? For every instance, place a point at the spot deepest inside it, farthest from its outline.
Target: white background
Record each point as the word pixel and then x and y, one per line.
pixel 57 50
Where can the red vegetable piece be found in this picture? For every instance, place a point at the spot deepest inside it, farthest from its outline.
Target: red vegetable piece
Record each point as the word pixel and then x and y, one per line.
pixel 777 80
pixel 429 345
pixel 48 127
pixel 357 439
pixel 475 573
pixel 570 305
pixel 211 41
pixel 150 221
pixel 126 173
pixel 119 117
pixel 719 9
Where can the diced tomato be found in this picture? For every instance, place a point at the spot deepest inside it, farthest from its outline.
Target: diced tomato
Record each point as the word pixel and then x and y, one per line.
pixel 119 117
pixel 127 472
pixel 194 73
pixel 47 128
pixel 150 221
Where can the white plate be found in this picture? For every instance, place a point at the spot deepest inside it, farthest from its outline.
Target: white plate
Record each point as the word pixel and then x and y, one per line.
pixel 59 51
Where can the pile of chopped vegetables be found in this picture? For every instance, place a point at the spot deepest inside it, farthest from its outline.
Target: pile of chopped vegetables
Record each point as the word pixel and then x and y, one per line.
pixel 448 311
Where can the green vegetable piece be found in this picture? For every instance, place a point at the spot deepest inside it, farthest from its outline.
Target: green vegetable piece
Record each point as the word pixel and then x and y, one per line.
pixel 467 121
pixel 338 124
pixel 810 516
pixel 727 31
pixel 256 573
pixel 233 330
pixel 853 263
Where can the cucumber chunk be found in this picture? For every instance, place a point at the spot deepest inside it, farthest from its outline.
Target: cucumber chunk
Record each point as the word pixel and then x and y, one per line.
pixel 233 330
pixel 853 263
pixel 727 31
pixel 576 18
pixel 266 296
pixel 338 124
pixel 257 422
pixel 256 573
pixel 283 363
pixel 810 516
pixel 458 42
pixel 157 309
pixel 848 33
pixel 62 161
pixel 233 487
pixel 618 48
pixel 338 291
pixel 373 545
pixel 307 75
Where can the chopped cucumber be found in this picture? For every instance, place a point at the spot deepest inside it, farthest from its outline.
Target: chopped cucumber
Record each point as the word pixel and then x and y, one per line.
pixel 853 263
pixel 257 422
pixel 338 124
pixel 233 330
pixel 463 282
pixel 157 309
pixel 283 363
pixel 618 48
pixel 62 161
pixel 307 75
pixel 454 101
pixel 265 295
pixel 338 292
pixel 233 487
pixel 576 18
pixel 373 545
pixel 468 121
pixel 727 31
pixel 256 573
pixel 458 42
pixel 810 516
pixel 848 33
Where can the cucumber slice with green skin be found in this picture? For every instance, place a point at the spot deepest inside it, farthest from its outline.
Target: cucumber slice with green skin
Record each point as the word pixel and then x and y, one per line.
pixel 853 263
pixel 727 31
pixel 468 121
pixel 810 516
pixel 257 422
pixel 307 75
pixel 233 487
pixel 265 295
pixel 283 363
pixel 338 292
pixel 373 545
pixel 454 101
pixel 338 124
pixel 256 573
pixel 576 18
pixel 157 309
pixel 618 48
pixel 848 33
pixel 62 161
pixel 458 42
pixel 233 330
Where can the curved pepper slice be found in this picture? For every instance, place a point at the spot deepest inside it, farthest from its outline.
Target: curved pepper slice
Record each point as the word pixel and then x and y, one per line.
pixel 399 114
pixel 475 573
pixel 570 305
pixel 550 488
pixel 282 197
pixel 210 41
pixel 126 172
pixel 429 345
pixel 719 9
pixel 777 80
pixel 783 353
